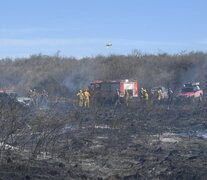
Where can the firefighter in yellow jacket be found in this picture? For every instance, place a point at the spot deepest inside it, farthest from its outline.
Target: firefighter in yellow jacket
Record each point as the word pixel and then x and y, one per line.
pixel 86 98
pixel 81 97
pixel 144 94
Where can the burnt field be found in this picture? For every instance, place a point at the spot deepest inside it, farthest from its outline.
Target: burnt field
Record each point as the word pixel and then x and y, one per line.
pixel 106 142
pixel 64 141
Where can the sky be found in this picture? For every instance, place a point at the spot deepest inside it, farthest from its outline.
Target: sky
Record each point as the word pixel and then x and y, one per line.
pixel 82 28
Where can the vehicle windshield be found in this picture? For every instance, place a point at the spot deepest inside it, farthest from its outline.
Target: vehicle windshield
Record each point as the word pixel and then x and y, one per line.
pixel 188 89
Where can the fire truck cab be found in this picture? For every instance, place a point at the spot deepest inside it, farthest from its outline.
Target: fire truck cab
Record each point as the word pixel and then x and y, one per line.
pixel 107 91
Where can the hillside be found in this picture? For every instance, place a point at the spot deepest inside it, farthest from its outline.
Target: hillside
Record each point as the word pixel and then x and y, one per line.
pixel 68 74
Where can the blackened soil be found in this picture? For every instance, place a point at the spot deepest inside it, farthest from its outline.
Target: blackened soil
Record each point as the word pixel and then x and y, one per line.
pixel 135 142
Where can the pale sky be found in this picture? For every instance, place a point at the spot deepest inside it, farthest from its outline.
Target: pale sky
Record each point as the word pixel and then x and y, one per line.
pixel 82 28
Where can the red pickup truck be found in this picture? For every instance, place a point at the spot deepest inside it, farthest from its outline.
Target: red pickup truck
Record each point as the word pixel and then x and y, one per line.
pixel 191 91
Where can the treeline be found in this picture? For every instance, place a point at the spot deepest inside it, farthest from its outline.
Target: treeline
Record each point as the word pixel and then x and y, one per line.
pixel 61 76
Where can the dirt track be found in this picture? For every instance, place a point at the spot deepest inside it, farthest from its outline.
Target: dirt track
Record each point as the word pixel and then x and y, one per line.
pixel 151 142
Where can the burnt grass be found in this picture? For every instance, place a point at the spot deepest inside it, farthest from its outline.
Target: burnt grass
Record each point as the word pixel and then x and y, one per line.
pixel 142 141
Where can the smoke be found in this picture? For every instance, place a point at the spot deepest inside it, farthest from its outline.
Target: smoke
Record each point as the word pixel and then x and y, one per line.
pixel 196 73
pixel 73 83
pixel 82 74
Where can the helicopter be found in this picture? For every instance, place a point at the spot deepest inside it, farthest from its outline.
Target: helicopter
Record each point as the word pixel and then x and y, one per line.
pixel 108 45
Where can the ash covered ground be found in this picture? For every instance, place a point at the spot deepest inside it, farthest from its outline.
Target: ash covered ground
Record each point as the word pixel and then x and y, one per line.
pixel 107 142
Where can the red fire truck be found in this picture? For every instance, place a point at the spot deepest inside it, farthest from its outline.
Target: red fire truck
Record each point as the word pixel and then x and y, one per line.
pixel 107 91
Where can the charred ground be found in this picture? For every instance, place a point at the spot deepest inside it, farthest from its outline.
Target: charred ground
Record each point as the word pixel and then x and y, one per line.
pixel 137 142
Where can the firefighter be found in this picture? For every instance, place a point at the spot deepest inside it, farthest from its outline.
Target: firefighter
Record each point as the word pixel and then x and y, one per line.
pixel 44 99
pixel 86 98
pixel 117 98
pixel 159 95
pixel 126 97
pixel 29 93
pixel 170 97
pixel 146 95
pixel 35 97
pixel 142 93
pixel 81 97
